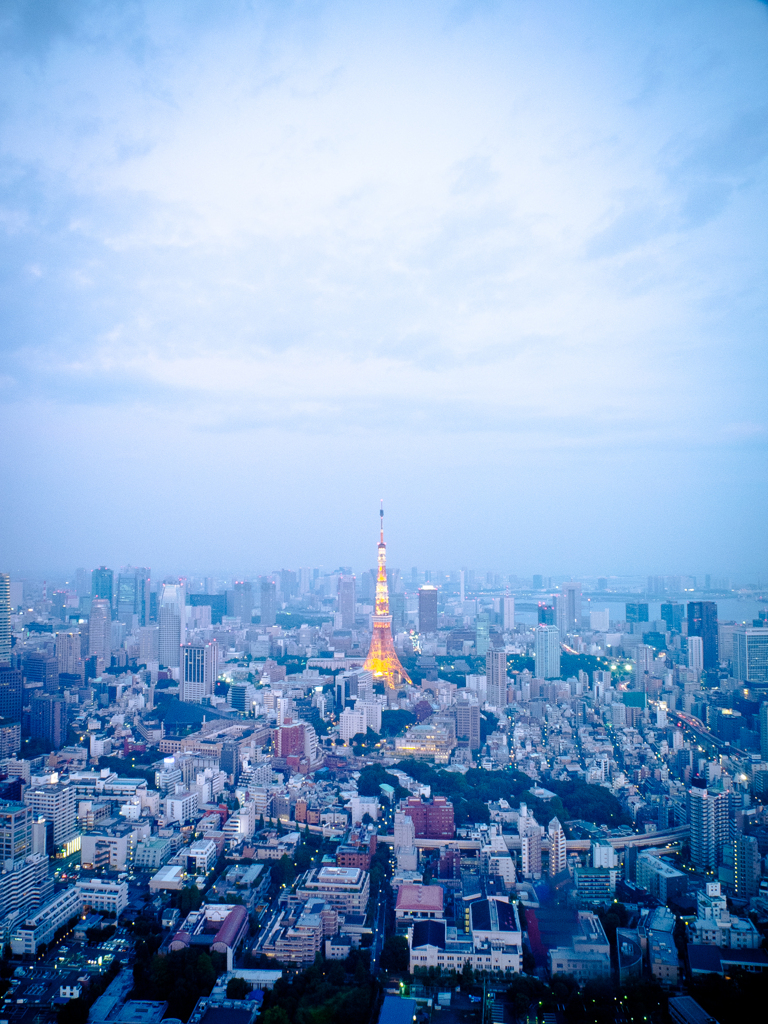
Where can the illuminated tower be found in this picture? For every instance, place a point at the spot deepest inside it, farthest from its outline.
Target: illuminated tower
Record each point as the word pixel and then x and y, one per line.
pixel 382 658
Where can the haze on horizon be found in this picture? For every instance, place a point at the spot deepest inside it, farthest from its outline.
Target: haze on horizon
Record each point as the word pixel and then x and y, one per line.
pixel 502 265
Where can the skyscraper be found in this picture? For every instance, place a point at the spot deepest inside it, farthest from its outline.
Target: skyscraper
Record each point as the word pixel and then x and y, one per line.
pixel 695 653
pixel 5 618
pixel 672 613
pixel 133 587
pixel 508 613
pixel 268 603
pixel 100 630
pixel 171 615
pixel 102 581
pixel 382 658
pixel 547 652
pixel 200 669
pixel 750 654
pixel 48 720
pixel 571 595
pixel 11 684
pixel 764 730
pixel 702 621
pixel 240 601
pixel 69 652
pixel 496 678
pixel 709 821
pixel 428 608
pixel 636 611
pixel 546 614
pixel 346 599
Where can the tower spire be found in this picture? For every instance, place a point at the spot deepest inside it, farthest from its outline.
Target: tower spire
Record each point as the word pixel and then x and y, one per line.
pixel 382 658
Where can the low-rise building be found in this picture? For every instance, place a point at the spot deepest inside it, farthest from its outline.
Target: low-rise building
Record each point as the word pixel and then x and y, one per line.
pixel 589 955
pixel 103 895
pixel 346 889
pixel 152 853
pixel 41 926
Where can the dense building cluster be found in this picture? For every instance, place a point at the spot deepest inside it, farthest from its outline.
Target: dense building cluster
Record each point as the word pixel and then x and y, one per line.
pixel 482 766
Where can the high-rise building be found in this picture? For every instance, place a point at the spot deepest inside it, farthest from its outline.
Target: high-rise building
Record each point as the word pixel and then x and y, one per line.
pixel 709 821
pixel 695 653
pixel 547 652
pixel 763 718
pixel 41 667
pixel 599 620
pixel 746 866
pixel 508 613
pixel 5 618
pixel 496 678
pixel 546 614
pixel 750 654
pixel 428 608
pixel 673 613
pixel 102 583
pixel 11 689
pixel 83 583
pixel 558 856
pixel 229 761
pixel 347 598
pixel 133 588
pixel 467 717
pixel 69 652
pixel 58 805
pixel 702 621
pixel 636 611
pixel 382 658
pixel 571 608
pixel 268 603
pixel 200 670
pixel 15 832
pixel 100 629
pixel 48 719
pixel 172 622
pixel 240 601
pixel 482 634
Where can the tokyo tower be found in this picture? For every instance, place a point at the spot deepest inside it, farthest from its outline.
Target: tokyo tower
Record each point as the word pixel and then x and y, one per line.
pixel 382 658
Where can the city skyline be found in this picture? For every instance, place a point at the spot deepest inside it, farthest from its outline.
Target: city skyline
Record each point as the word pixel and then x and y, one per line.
pixel 497 264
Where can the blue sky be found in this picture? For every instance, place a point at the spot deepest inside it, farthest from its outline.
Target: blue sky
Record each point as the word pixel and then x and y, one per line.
pixel 502 264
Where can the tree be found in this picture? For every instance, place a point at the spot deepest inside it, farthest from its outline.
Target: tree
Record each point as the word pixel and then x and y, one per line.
pixel 237 988
pixel 394 954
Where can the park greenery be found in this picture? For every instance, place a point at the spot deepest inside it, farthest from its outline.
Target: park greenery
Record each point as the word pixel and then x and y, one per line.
pixel 325 993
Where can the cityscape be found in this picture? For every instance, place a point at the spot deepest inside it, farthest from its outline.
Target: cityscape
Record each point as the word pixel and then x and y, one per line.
pixel 383 582
pixel 461 790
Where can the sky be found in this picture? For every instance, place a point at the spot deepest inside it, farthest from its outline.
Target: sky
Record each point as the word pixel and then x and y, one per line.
pixel 500 264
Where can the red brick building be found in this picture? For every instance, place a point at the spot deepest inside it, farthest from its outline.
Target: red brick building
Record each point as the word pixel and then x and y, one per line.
pixel 432 819
pixel 288 740
pixel 358 848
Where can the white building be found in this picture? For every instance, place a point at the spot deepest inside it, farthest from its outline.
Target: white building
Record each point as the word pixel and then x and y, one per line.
pixel 44 923
pixel 547 652
pixel 352 723
pixel 180 807
pixel 100 630
pixel 101 895
pixel 200 670
pixel 171 619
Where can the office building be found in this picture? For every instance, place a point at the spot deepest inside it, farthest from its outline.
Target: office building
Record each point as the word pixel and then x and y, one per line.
pixel 171 615
pixel 467 718
pixel 702 621
pixel 428 608
pixel 482 635
pixel 599 620
pixel 659 877
pixel 636 612
pixel 547 652
pixel 568 608
pixel 268 615
pixel 346 600
pixel 496 678
pixel 69 653
pixel 5 618
pixel 346 889
pixel 100 630
pixel 200 669
pixel 11 688
pixel 508 613
pixel 41 667
pixel 133 589
pixel 673 614
pixel 102 582
pixel 750 654
pixel 57 804
pixel 240 601
pixel 48 719
pixel 762 718
pixel 15 832
pixel 546 614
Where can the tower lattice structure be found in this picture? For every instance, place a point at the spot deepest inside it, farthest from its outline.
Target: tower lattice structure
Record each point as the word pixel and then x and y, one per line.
pixel 382 658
